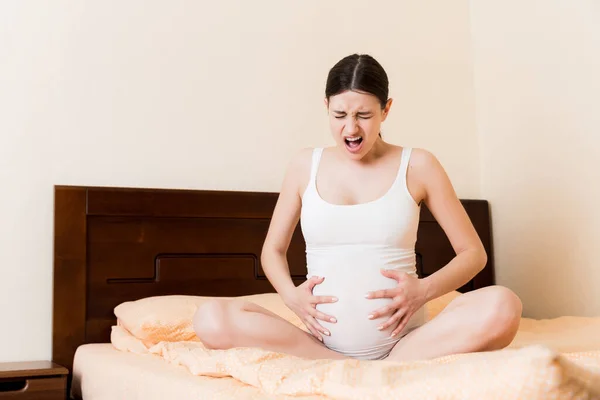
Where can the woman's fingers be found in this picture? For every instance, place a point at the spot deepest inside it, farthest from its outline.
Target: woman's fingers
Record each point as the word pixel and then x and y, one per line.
pixel 316 326
pixel 322 299
pixel 309 322
pixel 313 331
pixel 395 318
pixel 383 293
pixel 314 300
pixel 319 327
pixel 322 316
pixel 380 312
pixel 392 307
pixel 313 281
pixel 403 321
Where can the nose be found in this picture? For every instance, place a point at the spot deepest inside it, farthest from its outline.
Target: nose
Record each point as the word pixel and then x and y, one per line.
pixel 351 126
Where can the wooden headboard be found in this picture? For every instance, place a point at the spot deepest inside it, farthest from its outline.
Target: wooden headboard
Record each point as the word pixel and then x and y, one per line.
pixel 118 244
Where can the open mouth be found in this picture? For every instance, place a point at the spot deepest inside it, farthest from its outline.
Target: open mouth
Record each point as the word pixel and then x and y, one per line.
pixel 353 143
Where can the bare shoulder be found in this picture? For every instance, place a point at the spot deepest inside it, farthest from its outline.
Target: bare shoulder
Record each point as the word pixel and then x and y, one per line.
pixel 298 170
pixel 302 158
pixel 440 197
pixel 427 176
pixel 289 203
pixel 422 160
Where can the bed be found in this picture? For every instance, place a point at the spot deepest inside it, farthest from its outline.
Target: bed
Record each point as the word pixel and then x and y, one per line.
pixel 119 245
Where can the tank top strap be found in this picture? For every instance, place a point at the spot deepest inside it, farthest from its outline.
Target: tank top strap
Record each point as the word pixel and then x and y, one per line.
pixel 405 158
pixel 314 167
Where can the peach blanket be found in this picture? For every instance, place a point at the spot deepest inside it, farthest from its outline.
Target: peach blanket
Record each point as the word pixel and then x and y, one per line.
pixel 557 358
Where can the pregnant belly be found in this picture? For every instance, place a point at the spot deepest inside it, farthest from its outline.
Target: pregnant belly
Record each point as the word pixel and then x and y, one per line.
pixel 354 333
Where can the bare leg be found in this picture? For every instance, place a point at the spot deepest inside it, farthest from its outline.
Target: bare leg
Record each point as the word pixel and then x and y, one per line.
pixel 482 320
pixel 228 323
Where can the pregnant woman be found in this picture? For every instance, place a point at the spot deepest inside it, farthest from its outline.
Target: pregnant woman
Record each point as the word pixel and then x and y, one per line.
pixel 358 203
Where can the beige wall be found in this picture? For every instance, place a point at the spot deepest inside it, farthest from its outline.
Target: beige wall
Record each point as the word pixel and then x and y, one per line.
pixel 209 95
pixel 537 80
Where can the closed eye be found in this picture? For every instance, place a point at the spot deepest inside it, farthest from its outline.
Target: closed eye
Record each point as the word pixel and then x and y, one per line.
pixel 361 116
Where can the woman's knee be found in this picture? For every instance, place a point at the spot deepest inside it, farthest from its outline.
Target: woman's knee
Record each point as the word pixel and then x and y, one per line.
pixel 213 323
pixel 502 316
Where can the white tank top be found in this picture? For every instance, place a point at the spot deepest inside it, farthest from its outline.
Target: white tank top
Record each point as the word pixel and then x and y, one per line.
pixel 348 245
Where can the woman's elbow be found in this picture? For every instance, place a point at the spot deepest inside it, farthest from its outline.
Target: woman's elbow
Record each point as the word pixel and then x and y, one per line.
pixel 270 251
pixel 481 258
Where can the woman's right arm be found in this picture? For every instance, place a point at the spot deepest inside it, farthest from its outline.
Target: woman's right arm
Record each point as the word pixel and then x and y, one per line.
pixel 274 253
pixel 283 223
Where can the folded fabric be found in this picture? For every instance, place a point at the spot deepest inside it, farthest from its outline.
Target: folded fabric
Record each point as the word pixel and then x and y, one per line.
pixel 169 318
pixel 532 372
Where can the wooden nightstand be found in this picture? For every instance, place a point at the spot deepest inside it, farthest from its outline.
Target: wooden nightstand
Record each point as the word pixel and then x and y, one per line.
pixel 39 380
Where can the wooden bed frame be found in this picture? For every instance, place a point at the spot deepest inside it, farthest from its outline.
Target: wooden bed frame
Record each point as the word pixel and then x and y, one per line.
pixel 118 244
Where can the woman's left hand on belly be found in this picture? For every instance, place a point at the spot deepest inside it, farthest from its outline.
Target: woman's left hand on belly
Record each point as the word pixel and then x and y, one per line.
pixel 408 297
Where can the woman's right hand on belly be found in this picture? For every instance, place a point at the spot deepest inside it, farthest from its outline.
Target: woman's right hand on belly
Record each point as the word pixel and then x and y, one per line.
pixel 303 303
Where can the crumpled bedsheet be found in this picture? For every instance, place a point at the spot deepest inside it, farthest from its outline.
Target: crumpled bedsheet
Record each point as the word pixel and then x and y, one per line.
pixel 528 370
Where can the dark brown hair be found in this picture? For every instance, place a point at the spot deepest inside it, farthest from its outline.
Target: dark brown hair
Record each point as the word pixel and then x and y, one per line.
pixel 361 73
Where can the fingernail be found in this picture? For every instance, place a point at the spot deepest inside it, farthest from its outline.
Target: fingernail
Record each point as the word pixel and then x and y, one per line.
pixel 333 320
pixel 334 299
pixel 393 334
pixel 380 327
pixel 320 338
pixel 371 316
pixel 368 295
pixel 327 333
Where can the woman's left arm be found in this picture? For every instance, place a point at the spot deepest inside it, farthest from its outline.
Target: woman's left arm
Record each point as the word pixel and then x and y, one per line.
pixel 428 182
pixel 438 194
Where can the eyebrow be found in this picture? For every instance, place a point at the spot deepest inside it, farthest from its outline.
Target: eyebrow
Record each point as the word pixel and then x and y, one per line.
pixel 360 112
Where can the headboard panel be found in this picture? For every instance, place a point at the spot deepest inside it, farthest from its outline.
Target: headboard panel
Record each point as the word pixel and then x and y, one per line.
pixel 119 244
